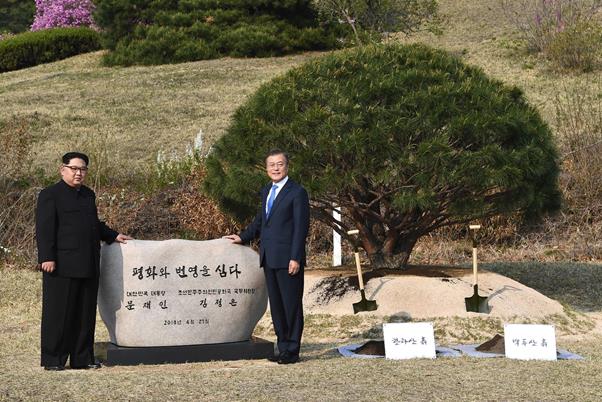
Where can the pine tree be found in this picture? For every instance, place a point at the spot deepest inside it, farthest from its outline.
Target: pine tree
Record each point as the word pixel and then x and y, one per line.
pixel 406 139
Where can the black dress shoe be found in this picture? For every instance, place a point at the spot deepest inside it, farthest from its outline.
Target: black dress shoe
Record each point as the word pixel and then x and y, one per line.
pixel 54 368
pixel 95 365
pixel 288 359
pixel 274 358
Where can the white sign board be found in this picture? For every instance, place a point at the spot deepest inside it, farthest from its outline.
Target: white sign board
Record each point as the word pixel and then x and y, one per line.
pixel 530 342
pixel 409 340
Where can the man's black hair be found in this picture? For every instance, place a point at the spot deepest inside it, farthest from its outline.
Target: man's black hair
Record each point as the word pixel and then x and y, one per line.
pixel 72 155
pixel 276 151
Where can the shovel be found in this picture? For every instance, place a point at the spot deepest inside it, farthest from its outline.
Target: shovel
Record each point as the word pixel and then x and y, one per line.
pixel 475 303
pixel 364 304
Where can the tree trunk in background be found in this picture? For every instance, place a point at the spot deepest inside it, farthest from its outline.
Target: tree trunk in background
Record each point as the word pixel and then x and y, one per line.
pixel 393 253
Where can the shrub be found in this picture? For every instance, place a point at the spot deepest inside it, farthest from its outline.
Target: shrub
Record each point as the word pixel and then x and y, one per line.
pixel 17 199
pixel 577 47
pixel 16 15
pixel 33 48
pixel 375 20
pixel 159 45
pixel 317 39
pixel 579 129
pixel 564 31
pixel 538 21
pixel 252 41
pixel 164 31
pixel 62 13
pixel 406 139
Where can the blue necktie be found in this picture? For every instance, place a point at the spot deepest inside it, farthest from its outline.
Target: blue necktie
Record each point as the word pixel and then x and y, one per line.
pixel 271 199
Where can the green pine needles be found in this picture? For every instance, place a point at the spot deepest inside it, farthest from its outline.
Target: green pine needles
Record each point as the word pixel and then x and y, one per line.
pixel 406 139
pixel 174 31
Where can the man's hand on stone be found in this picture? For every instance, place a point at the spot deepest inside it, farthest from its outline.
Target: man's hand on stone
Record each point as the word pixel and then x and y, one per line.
pixel 293 267
pixel 234 238
pixel 121 238
pixel 48 266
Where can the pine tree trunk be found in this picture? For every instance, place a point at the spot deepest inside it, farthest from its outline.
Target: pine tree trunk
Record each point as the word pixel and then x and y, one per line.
pixel 393 254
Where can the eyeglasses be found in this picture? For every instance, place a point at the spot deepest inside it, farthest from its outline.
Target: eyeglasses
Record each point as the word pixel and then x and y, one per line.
pixel 74 169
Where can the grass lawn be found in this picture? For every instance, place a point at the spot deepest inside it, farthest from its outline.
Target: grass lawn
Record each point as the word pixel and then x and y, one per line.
pixel 124 116
pixel 322 374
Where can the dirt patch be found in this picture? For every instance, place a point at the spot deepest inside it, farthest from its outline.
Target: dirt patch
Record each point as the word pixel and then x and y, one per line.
pixel 494 345
pixel 373 348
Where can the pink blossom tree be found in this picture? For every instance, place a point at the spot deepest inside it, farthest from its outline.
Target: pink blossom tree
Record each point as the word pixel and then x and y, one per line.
pixel 63 13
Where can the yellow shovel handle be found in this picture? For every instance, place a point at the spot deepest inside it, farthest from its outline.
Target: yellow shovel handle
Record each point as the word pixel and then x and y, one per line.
pixel 474 264
pixel 359 270
pixel 473 229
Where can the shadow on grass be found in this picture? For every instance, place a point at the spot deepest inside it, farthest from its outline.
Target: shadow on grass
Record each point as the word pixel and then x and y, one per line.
pixel 321 351
pixel 309 351
pixel 575 284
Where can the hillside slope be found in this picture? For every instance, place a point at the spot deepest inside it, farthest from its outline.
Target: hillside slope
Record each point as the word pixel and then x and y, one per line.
pixel 126 115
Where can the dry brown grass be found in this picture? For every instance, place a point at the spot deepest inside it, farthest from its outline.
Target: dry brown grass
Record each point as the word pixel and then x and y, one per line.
pixel 322 374
pixel 557 239
pixel 17 195
pixel 479 32
pixel 124 116
pixel 175 210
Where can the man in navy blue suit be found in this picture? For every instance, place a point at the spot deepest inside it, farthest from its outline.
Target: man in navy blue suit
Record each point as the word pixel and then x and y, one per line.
pixel 282 225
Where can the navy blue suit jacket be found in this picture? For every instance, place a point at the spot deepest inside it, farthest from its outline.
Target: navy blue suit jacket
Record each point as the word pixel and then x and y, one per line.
pixel 282 235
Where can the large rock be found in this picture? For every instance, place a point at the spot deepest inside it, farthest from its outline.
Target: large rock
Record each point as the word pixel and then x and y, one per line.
pixel 180 292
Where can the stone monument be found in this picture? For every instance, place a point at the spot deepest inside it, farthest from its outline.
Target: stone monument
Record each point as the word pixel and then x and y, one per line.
pixel 155 295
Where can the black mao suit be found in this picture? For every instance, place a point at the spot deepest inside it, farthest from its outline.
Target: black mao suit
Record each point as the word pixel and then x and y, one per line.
pixel 69 232
pixel 282 237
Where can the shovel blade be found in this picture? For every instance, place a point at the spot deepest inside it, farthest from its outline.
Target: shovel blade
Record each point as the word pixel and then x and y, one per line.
pixel 364 304
pixel 476 303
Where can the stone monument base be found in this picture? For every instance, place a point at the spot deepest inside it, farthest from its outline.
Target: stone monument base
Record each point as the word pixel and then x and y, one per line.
pixel 113 355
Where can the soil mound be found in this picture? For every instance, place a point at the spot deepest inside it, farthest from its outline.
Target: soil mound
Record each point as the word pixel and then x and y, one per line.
pixel 424 293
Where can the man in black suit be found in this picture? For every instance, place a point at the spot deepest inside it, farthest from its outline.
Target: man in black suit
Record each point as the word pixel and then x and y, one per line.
pixel 282 225
pixel 68 234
